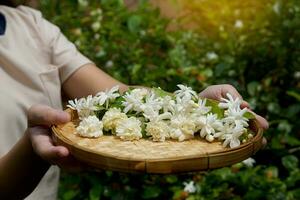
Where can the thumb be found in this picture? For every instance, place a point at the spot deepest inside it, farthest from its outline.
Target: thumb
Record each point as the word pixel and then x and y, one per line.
pixel 47 116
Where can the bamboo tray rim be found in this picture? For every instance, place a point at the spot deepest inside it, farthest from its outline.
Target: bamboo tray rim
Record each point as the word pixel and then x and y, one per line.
pixel 257 136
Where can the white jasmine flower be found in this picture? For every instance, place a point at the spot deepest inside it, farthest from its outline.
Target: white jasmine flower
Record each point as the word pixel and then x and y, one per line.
pixel 143 32
pixel 211 56
pixel 109 64
pixel 111 118
pixel 97 36
pixel 185 93
pixel 142 92
pixel 133 100
pixel 182 127
pixel 208 125
pixel 201 108
pixel 149 113
pixel 96 12
pixel 238 24
pixel 227 128
pixel 249 162
pixel 297 74
pixel 84 106
pixel 153 115
pixel 276 8
pixel 105 97
pixel 168 104
pixel 129 129
pixel 188 106
pixel 96 26
pixel 158 130
pixel 179 107
pixel 236 116
pixel 90 126
pixel 233 139
pixel 230 102
pixel 182 107
pixel 153 102
pixel 77 43
pixel 83 3
pixel 73 104
pixel 189 187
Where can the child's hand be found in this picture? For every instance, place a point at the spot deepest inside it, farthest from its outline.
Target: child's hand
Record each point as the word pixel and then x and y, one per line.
pixel 219 91
pixel 40 118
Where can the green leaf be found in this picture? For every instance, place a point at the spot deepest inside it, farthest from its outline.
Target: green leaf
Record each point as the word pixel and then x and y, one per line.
pixel 221 68
pixel 293 194
pixel 151 192
pixel 215 107
pixel 135 69
pixel 253 87
pixel 171 179
pixel 249 115
pixel 100 113
pixel 70 194
pixel 134 23
pixel 95 192
pixel 161 93
pixel 118 103
pixel 293 178
pixel 290 162
pixel 284 126
pixel 273 107
pixel 292 140
pixel 294 94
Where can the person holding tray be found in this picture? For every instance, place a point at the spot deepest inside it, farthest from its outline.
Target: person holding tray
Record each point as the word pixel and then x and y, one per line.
pixel 37 65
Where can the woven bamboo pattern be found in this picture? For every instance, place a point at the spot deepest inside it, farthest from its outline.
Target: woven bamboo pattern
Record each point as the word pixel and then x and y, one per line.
pixel 144 155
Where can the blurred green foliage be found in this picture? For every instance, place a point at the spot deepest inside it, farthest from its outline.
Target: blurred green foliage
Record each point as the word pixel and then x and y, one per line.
pixel 258 52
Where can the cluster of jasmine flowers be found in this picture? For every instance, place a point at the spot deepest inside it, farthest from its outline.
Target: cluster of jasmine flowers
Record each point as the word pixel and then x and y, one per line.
pixel 158 115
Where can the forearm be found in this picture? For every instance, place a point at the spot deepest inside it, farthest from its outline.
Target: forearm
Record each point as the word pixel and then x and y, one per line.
pixel 20 170
pixel 89 79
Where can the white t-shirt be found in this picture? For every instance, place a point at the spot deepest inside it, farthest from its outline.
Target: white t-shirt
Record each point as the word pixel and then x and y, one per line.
pixel 35 59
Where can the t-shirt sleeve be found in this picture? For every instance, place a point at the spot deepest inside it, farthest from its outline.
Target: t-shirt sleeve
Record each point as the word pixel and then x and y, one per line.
pixel 64 54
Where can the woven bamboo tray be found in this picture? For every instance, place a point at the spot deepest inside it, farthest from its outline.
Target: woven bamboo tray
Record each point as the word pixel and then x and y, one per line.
pixel 111 153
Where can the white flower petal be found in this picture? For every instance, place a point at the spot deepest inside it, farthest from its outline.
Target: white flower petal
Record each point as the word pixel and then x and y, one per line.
pixel 90 126
pixel 249 162
pixel 189 187
pixel 129 129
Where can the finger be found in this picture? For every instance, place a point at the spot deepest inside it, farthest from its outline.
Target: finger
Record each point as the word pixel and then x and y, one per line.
pixel 45 115
pixel 245 104
pixel 44 147
pixel 212 92
pixel 264 142
pixel 262 122
pixel 226 88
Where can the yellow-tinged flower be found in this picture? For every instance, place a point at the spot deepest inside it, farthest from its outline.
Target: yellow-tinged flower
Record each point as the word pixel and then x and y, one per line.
pixel 158 130
pixel 129 129
pixel 111 118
